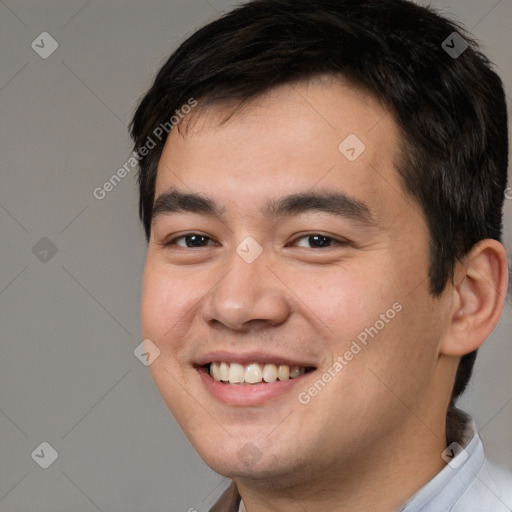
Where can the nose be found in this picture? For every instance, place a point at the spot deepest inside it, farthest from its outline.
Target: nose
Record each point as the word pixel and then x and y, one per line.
pixel 249 296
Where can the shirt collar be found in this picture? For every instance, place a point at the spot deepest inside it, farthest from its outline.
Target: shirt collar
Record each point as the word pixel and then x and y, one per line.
pixel 464 456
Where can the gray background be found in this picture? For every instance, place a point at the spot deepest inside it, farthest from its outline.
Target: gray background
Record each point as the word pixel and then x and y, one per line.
pixel 70 324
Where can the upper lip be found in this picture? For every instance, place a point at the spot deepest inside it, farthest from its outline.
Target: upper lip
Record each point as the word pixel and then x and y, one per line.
pixel 248 358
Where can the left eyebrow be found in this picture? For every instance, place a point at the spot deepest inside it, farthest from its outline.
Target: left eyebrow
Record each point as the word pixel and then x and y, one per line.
pixel 336 203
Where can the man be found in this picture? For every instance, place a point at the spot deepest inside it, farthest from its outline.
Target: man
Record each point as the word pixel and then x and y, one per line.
pixel 321 186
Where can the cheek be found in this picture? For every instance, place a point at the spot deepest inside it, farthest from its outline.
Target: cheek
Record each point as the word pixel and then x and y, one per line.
pixel 341 302
pixel 401 359
pixel 164 304
pixel 166 300
pixel 155 305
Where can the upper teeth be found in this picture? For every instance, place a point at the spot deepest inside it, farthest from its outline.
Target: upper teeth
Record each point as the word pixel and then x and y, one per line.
pixel 253 373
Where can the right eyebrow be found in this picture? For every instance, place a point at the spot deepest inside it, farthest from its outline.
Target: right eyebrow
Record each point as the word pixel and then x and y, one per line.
pixel 176 202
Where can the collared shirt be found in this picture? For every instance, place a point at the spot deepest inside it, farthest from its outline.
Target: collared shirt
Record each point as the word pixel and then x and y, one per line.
pixel 468 483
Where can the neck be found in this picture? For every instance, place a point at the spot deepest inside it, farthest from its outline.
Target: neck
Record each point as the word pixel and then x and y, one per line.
pixel 381 478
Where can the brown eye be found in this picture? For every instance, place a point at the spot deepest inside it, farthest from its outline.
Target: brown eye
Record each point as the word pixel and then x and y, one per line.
pixel 190 240
pixel 316 240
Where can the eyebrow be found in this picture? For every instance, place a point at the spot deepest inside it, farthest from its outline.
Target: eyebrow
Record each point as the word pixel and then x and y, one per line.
pixel 335 203
pixel 175 201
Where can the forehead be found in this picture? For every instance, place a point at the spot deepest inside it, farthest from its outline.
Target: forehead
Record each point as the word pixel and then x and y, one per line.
pixel 293 138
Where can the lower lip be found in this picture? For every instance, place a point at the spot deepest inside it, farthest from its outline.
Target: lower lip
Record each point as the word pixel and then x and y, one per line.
pixel 248 394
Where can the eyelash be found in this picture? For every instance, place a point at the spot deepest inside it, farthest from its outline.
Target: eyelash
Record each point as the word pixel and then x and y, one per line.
pixel 337 242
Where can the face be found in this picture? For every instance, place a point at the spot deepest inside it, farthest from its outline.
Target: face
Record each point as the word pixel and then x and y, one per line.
pixel 281 246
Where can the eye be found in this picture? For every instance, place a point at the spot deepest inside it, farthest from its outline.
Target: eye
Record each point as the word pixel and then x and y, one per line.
pixel 318 240
pixel 190 240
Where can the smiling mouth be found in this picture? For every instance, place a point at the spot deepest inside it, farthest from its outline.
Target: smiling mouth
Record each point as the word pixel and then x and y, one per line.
pixel 253 373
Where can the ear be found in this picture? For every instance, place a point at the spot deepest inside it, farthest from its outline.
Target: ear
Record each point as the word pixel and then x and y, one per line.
pixel 479 291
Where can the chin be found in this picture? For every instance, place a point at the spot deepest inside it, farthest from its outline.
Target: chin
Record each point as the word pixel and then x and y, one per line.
pixel 250 463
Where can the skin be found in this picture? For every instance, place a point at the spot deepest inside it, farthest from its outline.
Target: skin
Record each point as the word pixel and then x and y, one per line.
pixel 373 435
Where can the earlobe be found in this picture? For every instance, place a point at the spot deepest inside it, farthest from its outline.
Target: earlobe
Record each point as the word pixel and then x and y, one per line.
pixel 479 289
